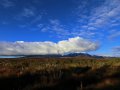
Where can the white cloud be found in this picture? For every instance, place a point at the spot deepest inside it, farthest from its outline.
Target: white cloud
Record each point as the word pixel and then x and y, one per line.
pixel 76 44
pixel 71 45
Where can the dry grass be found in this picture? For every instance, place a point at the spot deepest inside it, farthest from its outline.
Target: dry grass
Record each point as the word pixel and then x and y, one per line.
pixel 60 73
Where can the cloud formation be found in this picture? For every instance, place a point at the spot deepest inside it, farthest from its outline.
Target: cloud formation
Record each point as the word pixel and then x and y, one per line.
pixel 72 45
pixel 114 35
pixel 56 27
pixel 102 17
pixel 6 3
pixel 89 23
pixel 116 51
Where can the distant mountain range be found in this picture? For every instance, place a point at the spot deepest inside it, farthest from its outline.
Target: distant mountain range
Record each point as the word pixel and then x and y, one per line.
pixel 67 55
pixel 54 56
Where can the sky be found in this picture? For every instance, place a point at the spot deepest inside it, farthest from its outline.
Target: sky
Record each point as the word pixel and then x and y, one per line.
pixel 59 27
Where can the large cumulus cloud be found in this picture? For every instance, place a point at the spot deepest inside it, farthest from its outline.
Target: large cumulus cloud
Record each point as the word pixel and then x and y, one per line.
pixel 72 45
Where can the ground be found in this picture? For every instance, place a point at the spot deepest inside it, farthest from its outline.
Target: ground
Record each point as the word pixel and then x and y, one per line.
pixel 76 73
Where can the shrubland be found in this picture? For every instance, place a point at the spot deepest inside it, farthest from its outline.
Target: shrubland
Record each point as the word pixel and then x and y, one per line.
pixel 65 73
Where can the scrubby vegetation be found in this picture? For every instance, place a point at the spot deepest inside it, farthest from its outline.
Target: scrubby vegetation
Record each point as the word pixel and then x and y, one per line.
pixel 77 73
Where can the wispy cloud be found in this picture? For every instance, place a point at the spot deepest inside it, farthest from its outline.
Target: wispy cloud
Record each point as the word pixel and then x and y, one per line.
pixel 25 13
pixel 36 19
pixel 116 51
pixel 32 17
pixel 99 18
pixel 114 35
pixel 7 3
pixel 105 14
pixel 71 45
pixel 28 12
pixel 92 22
pixel 56 27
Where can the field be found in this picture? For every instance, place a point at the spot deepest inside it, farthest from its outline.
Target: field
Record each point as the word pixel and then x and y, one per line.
pixel 77 73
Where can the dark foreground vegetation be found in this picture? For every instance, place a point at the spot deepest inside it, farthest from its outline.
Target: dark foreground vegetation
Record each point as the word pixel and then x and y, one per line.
pixel 77 73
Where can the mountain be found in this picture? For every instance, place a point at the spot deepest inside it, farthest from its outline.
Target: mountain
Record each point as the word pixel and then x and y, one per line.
pixel 67 55
pixel 43 56
pixel 55 56
pixel 77 54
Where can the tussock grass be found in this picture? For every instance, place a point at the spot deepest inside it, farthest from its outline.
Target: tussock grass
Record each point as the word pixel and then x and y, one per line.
pixel 60 73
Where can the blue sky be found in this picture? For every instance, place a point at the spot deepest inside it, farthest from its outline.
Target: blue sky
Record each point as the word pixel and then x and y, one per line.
pixel 96 21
